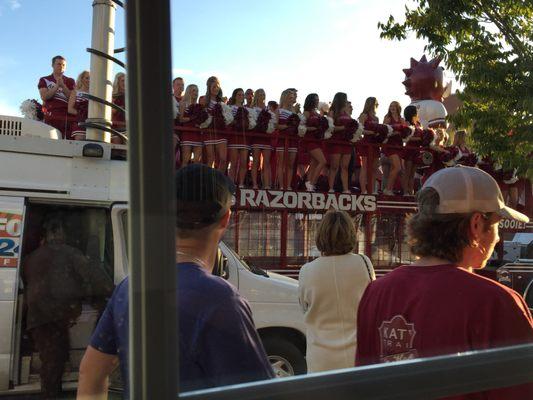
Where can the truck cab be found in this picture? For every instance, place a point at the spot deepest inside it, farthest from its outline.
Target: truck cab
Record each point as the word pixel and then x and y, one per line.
pixel 88 184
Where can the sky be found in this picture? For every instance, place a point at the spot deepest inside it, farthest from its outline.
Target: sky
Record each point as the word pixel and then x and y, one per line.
pixel 316 46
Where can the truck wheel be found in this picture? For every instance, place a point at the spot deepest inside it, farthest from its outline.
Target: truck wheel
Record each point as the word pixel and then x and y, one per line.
pixel 286 359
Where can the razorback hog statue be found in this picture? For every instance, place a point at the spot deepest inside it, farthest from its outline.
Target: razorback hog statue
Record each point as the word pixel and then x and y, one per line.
pixel 423 84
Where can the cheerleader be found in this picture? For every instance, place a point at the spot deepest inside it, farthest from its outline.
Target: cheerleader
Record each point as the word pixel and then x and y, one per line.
pixel 79 105
pixel 238 149
pixel 313 148
pixel 249 97
pixel 394 116
pixel 191 142
pixel 468 157
pixel 119 98
pixel 411 150
pixel 261 146
pixel 286 124
pixel 367 152
pixel 339 154
pixel 214 142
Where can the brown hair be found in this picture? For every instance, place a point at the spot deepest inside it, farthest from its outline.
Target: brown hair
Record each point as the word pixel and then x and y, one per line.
pixel 459 135
pixel 398 108
pixel 438 235
pixel 336 234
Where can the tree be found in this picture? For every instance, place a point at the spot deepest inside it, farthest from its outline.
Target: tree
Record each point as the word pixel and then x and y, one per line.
pixel 488 45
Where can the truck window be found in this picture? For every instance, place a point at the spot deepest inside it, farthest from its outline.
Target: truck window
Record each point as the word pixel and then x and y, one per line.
pixel 67 277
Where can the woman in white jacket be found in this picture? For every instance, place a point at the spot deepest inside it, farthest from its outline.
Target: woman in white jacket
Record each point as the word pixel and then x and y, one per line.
pixel 330 289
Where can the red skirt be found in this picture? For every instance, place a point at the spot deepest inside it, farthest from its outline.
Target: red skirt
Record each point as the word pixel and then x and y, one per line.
pixel 395 140
pixel 366 151
pixel 410 152
pixel 191 138
pixel 262 142
pixel 237 141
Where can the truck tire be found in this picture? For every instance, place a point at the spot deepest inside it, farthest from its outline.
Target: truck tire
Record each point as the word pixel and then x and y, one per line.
pixel 284 356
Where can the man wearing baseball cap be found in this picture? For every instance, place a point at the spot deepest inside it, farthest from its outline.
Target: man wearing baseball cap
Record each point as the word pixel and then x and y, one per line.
pixel 218 343
pixel 438 305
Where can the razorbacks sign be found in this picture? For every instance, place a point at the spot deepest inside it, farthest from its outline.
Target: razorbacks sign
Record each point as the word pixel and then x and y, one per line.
pixel 278 199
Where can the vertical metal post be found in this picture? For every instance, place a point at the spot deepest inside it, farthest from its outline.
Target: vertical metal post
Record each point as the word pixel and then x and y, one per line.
pixel 103 39
pixel 153 306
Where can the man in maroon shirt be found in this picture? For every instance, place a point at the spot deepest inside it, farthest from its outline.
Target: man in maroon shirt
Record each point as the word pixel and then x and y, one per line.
pixel 55 91
pixel 438 305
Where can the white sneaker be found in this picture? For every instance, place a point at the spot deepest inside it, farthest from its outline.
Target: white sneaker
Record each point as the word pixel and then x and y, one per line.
pixel 309 186
pixel 346 192
pixel 387 192
pixel 331 191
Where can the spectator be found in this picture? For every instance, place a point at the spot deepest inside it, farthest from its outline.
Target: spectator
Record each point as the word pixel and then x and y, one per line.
pixel 79 105
pixel 438 305
pixel 330 289
pixel 55 91
pixel 57 277
pixel 218 343
pixel 119 98
pixel 394 116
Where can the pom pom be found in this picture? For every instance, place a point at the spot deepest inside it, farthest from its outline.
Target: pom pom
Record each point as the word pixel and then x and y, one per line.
pixel 32 109
pixel 227 113
pixel 424 159
pixel 206 122
pixel 240 119
pixel 252 118
pixel 193 112
pixel 266 122
pixel 450 159
pixel 510 177
pixel 272 122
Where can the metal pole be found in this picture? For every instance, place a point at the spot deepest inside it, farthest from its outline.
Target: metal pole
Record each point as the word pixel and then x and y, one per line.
pixel 103 39
pixel 153 313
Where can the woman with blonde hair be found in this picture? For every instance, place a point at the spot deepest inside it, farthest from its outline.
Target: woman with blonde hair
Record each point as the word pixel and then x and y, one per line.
pixel 330 289
pixel 366 152
pixel 79 105
pixel 394 116
pixel 215 143
pixel 286 114
pixel 261 146
pixel 119 98
pixel 191 142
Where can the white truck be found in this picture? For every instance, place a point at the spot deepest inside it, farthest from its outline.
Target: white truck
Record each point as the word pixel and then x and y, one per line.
pixel 88 183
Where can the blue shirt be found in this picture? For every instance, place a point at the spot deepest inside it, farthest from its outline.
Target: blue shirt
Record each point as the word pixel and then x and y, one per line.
pixel 218 342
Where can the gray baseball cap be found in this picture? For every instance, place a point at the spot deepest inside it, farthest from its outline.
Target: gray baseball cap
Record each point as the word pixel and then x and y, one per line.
pixel 466 189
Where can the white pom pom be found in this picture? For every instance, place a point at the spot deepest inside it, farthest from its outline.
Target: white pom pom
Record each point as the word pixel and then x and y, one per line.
pixel 412 128
pixel 207 122
pixel 389 132
pixel 358 133
pixel 28 109
pixel 458 156
pixel 252 118
pixel 331 126
pixel 514 178
pixel 272 122
pixel 497 166
pixel 227 113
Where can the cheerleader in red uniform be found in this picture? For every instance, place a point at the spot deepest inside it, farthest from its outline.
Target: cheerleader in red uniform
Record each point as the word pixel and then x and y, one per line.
pixel 191 142
pixel 366 152
pixel 261 146
pixel 79 105
pixel 119 98
pixel 238 148
pixel 313 148
pixel 285 116
pixel 468 158
pixel 394 116
pixel 215 143
pixel 339 154
pixel 411 150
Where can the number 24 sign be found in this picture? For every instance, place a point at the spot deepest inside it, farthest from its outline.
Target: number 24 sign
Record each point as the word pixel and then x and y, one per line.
pixel 10 228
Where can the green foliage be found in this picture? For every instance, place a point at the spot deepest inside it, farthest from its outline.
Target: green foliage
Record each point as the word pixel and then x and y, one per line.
pixel 488 45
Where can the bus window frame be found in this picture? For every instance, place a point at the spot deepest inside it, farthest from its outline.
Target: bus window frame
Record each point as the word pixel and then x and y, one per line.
pixel 154 363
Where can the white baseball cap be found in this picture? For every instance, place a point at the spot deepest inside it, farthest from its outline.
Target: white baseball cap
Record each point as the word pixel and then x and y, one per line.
pixel 464 190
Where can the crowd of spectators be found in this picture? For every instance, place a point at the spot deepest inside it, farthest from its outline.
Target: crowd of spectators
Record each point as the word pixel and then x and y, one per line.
pixel 321 146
